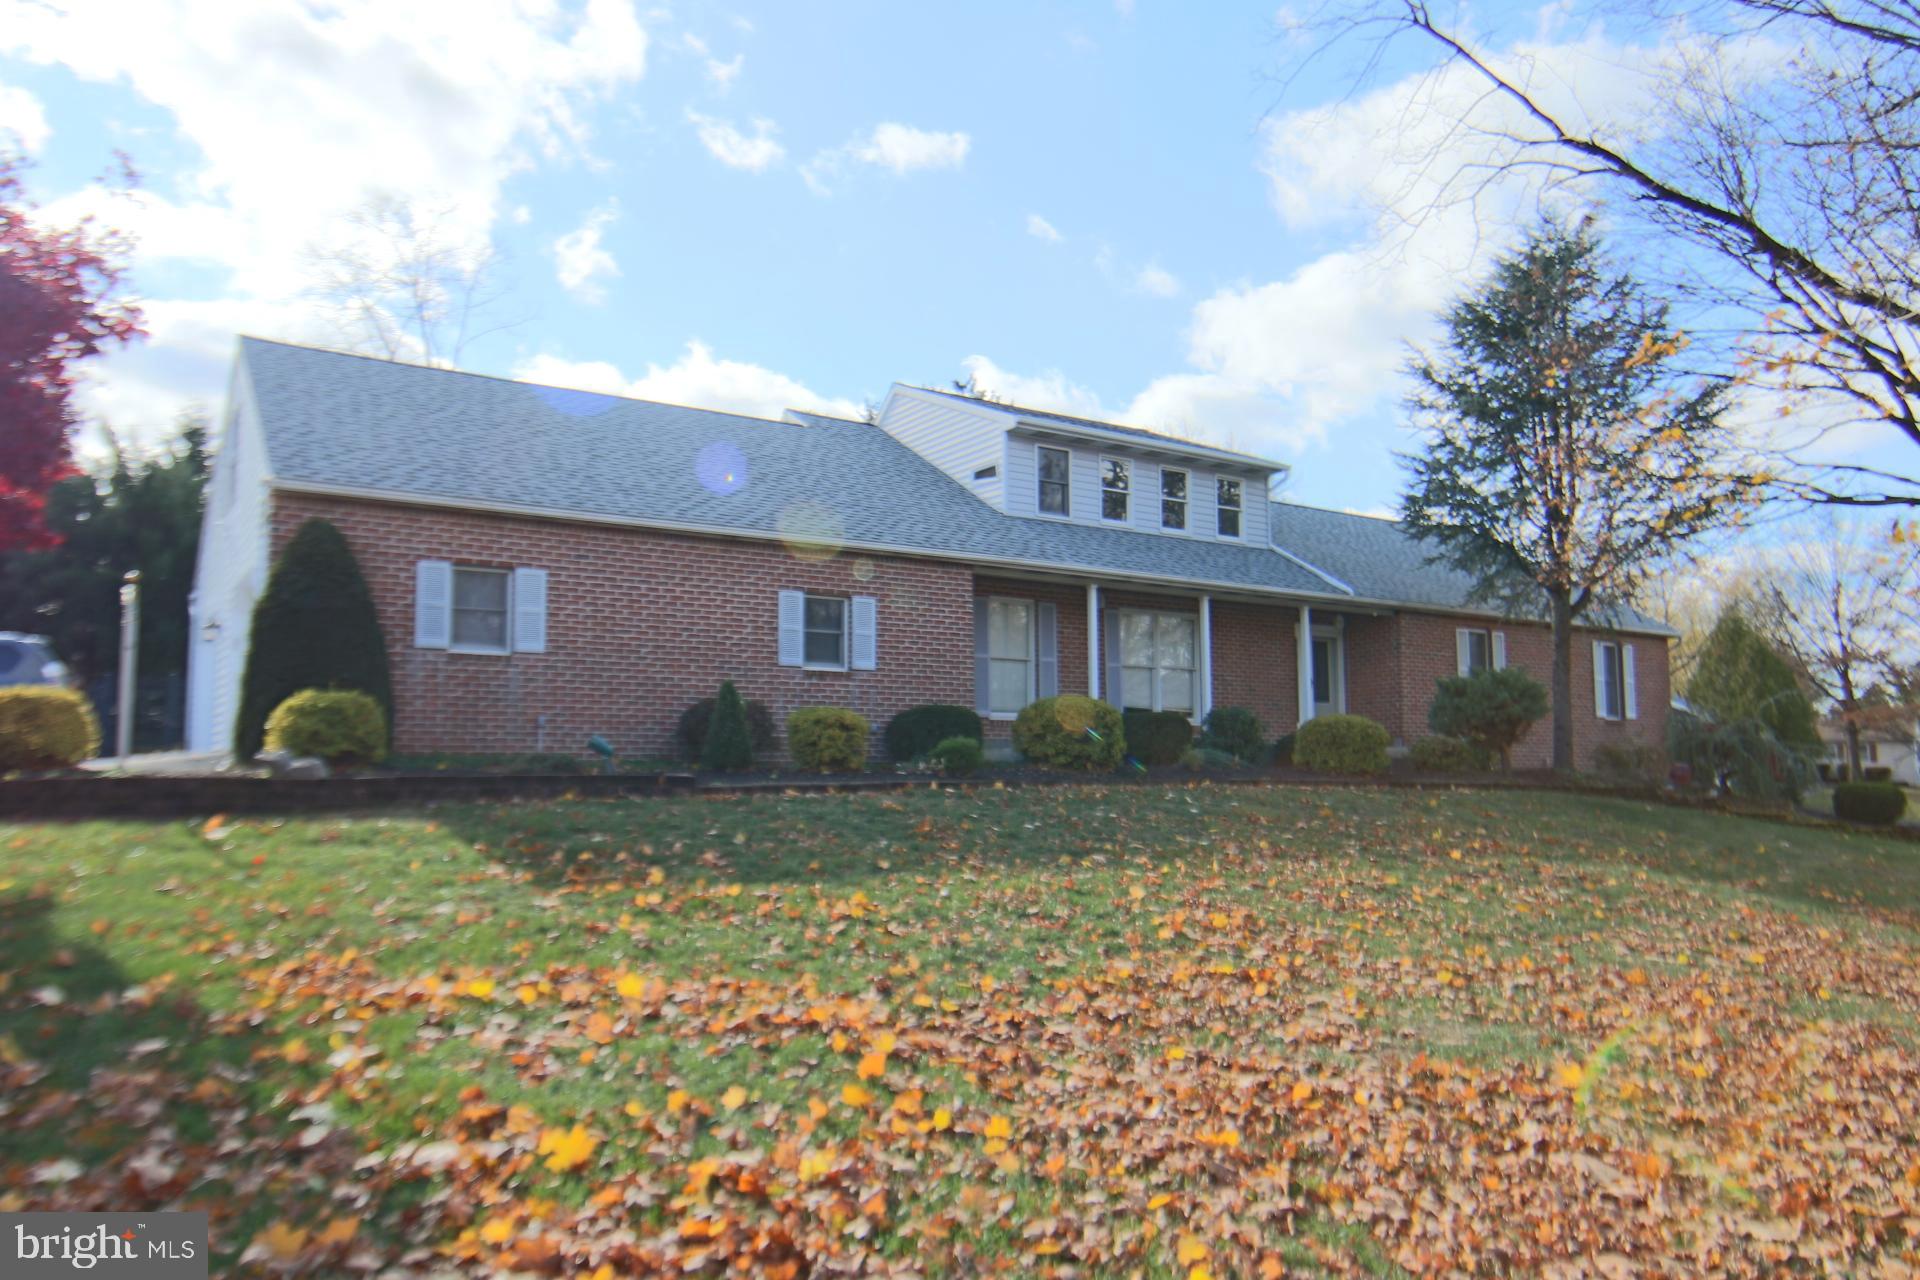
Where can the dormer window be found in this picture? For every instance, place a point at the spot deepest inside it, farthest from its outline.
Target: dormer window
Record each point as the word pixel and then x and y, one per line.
pixel 1229 506
pixel 1054 466
pixel 1173 498
pixel 1116 483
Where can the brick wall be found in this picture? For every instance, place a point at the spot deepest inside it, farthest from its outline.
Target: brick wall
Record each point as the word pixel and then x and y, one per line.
pixel 1070 606
pixel 1253 662
pixel 640 625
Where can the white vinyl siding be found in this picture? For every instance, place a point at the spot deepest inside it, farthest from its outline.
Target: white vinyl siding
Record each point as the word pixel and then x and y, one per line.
pixel 1157 660
pixel 957 438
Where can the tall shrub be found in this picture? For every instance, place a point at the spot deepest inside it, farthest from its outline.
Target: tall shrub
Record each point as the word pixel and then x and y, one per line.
pixel 1739 676
pixel 729 745
pixel 1491 709
pixel 314 628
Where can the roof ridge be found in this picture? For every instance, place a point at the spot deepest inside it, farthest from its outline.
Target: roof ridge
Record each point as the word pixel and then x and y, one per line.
pixel 1333 511
pixel 525 382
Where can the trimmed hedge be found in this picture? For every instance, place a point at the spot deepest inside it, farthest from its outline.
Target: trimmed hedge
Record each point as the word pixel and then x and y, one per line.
pixel 1441 754
pixel 313 628
pixel 1157 737
pixel 1071 731
pixel 958 757
pixel 1342 744
pixel 916 731
pixel 1236 731
pixel 1630 759
pixel 1878 803
pixel 45 727
pixel 828 739
pixel 1208 758
pixel 341 726
pixel 698 718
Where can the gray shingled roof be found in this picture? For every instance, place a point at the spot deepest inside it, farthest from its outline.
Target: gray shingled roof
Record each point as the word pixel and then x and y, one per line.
pixel 341 421
pixel 346 422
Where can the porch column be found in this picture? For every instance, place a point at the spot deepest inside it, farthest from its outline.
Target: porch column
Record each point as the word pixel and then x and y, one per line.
pixel 1093 640
pixel 1203 702
pixel 1303 659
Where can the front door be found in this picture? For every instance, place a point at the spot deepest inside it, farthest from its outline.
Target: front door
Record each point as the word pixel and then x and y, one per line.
pixel 1329 673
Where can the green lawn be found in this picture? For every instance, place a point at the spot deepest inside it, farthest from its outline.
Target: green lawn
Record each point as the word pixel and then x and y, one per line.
pixel 1160 1031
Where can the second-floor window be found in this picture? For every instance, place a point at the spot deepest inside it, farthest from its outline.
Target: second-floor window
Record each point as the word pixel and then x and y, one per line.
pixel 1229 505
pixel 1116 482
pixel 1173 498
pixel 1054 465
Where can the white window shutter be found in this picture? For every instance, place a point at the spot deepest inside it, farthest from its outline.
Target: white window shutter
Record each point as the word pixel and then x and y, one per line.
pixel 1499 651
pixel 1463 652
pixel 529 610
pixel 432 604
pixel 1629 700
pixel 1046 623
pixel 866 639
pixel 1600 679
pixel 793 621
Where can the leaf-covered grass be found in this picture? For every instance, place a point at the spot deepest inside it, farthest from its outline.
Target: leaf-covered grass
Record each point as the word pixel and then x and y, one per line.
pixel 1108 1031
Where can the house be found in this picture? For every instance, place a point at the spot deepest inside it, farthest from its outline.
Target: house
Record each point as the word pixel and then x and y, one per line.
pixel 1889 741
pixel 550 564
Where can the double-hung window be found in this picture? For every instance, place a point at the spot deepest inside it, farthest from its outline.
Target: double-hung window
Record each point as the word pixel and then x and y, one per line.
pixel 825 638
pixel 1227 491
pixel 1609 681
pixel 1173 498
pixel 1475 650
pixel 1010 655
pixel 1116 484
pixel 1157 653
pixel 480 610
pixel 1055 464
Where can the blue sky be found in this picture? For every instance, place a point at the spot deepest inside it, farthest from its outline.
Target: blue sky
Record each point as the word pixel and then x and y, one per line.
pixel 1107 208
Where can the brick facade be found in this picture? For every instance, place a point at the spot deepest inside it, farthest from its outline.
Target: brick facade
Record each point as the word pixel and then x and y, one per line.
pixel 642 623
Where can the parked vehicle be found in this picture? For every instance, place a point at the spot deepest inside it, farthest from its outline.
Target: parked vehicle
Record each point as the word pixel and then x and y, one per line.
pixel 26 659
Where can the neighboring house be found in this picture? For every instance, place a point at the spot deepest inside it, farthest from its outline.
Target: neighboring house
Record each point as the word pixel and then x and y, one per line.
pixel 551 564
pixel 1892 746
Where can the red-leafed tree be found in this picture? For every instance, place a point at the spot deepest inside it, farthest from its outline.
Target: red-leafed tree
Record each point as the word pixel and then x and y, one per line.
pixel 59 304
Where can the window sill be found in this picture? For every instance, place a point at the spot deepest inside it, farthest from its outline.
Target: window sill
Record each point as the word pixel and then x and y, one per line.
pixel 472 652
pixel 1003 717
pixel 808 666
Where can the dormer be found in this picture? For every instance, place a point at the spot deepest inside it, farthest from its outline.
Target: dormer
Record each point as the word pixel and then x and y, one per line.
pixel 1049 466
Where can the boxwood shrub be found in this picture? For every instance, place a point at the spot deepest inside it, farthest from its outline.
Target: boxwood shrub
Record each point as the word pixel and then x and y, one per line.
pixel 45 727
pixel 828 739
pixel 916 731
pixel 1157 737
pixel 959 757
pixel 1071 731
pixel 1342 744
pixel 1877 803
pixel 1236 731
pixel 340 726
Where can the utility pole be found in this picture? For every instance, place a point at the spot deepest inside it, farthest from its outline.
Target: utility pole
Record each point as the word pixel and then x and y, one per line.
pixel 129 661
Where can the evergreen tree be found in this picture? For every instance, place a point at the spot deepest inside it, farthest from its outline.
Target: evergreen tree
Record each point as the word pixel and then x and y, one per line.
pixel 1567 454
pixel 314 628
pixel 1739 676
pixel 729 746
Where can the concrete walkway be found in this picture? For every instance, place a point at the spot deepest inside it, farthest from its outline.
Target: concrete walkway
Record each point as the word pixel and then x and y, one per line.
pixel 174 764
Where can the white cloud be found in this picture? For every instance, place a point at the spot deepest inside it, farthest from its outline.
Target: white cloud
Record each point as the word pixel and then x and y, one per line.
pixel 297 113
pixel 1157 281
pixel 697 378
pixel 900 148
pixel 737 150
pixel 22 118
pixel 580 262
pixel 721 74
pixel 1040 229
pixel 1049 390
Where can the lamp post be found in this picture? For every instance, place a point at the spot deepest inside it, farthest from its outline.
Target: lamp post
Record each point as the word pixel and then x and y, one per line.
pixel 129 654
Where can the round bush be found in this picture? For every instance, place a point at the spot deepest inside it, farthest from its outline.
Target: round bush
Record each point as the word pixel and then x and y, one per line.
pixel 916 731
pixel 958 757
pixel 1877 803
pixel 1341 744
pixel 1071 731
pixel 828 739
pixel 45 727
pixel 1236 731
pixel 694 722
pixel 1198 758
pixel 1156 737
pixel 1447 755
pixel 340 726
pixel 1491 709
